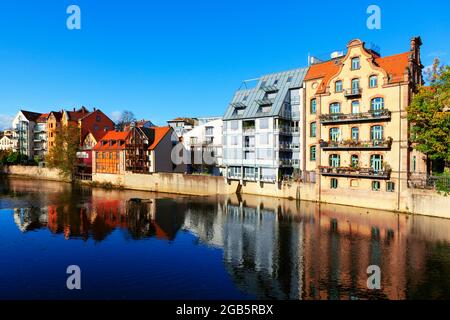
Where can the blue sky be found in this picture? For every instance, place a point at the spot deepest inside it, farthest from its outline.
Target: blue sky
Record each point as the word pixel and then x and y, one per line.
pixel 164 59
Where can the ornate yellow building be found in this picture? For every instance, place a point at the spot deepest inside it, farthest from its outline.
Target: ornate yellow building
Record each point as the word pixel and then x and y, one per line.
pixel 356 129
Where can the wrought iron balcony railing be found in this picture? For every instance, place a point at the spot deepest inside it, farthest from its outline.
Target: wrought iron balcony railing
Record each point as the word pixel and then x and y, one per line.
pixel 373 115
pixel 355 172
pixel 357 145
pixel 353 92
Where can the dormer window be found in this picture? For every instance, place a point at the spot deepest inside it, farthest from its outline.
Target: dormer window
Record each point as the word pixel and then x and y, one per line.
pixel 356 63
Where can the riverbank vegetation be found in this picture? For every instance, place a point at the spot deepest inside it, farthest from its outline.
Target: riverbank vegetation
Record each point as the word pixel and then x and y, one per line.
pixel 63 155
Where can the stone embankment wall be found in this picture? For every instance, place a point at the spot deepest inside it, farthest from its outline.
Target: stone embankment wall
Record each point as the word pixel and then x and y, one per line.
pixel 420 202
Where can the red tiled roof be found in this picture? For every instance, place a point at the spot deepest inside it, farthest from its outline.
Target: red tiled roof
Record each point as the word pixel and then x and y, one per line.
pixel 160 133
pixel 112 136
pixel 43 117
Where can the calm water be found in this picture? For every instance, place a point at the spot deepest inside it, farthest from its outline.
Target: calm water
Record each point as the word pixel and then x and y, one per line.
pixel 173 247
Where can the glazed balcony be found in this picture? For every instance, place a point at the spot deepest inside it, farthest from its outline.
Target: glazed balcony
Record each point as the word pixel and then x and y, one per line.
pixel 357 145
pixel 353 93
pixel 354 172
pixel 373 115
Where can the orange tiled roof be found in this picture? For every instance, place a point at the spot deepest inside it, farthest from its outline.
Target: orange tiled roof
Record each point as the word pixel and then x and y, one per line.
pixel 325 71
pixel 160 133
pixel 394 65
pixel 112 136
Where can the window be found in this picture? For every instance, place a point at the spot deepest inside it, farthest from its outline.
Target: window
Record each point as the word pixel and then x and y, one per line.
pixel 264 109
pixel 373 81
pixel 209 131
pixel 376 133
pixel 313 129
pixel 355 86
pixel 335 160
pixel 249 155
pixel 264 123
pixel 234 140
pixel 264 138
pixel 275 82
pixel 95 127
pixel 376 185
pixel 335 134
pixel 333 183
pixel 355 134
pixel 245 97
pixel 390 186
pixel 354 160
pixel 313 106
pixel 238 111
pixel 335 107
pixel 355 107
pixel 98 118
pixel 377 104
pixel 376 162
pixel 338 86
pixel 289 79
pixel 356 63
pixel 312 153
pixel 234 125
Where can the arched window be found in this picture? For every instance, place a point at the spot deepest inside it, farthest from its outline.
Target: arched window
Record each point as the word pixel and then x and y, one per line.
pixel 377 104
pixel 376 162
pixel 335 134
pixel 373 81
pixel 355 86
pixel 355 107
pixel 335 160
pixel 335 107
pixel 355 134
pixel 376 133
pixel 313 107
pixel 338 86
pixel 355 63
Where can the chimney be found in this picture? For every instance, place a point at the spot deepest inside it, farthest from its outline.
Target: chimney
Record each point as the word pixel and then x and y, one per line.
pixel 73 109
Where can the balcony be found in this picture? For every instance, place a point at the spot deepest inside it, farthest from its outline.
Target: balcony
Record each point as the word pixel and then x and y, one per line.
pixel 285 162
pixel 267 88
pixel 265 101
pixel 285 146
pixel 357 145
pixel 265 178
pixel 283 130
pixel 353 93
pixel 350 172
pixel 373 115
pixel 248 130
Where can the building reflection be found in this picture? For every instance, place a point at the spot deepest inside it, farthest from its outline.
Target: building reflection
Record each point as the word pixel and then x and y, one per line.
pixel 272 248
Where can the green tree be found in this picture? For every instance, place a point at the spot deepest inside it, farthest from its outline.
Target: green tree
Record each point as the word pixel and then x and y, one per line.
pixel 63 155
pixel 429 115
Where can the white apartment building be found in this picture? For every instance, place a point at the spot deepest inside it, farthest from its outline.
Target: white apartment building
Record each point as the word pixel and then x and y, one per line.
pixel 261 128
pixel 23 125
pixel 40 137
pixel 204 142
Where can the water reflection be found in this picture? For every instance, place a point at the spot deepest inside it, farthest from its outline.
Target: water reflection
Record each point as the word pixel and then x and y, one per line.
pixel 272 248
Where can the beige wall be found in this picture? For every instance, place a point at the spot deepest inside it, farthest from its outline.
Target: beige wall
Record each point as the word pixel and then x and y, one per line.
pixel 171 183
pixel 33 172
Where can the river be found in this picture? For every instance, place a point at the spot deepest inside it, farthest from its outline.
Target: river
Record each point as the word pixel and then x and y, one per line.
pixel 185 247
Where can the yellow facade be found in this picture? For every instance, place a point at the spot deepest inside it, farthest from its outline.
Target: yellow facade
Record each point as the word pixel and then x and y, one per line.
pixel 361 141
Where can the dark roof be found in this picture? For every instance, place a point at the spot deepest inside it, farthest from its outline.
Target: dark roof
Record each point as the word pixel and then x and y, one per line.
pixel 31 116
pixel 57 115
